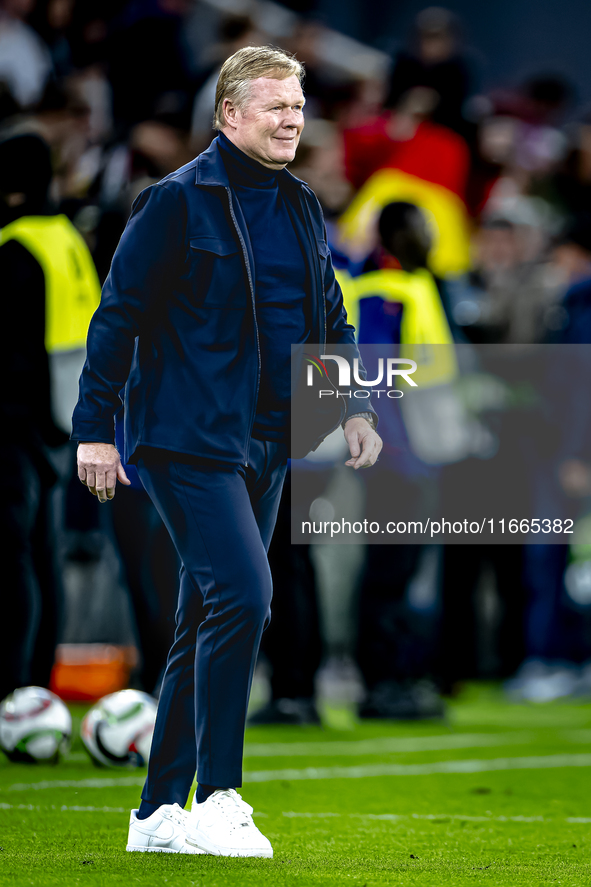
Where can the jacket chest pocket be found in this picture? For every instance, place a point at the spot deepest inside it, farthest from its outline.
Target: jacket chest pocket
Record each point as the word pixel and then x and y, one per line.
pixel 323 255
pixel 216 273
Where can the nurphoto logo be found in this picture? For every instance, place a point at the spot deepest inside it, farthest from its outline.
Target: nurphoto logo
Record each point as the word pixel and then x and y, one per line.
pixel 394 366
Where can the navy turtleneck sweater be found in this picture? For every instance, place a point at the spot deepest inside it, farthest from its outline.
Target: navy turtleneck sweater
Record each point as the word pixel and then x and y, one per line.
pixel 281 283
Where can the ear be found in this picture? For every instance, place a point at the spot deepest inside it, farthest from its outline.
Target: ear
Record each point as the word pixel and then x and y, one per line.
pixel 230 113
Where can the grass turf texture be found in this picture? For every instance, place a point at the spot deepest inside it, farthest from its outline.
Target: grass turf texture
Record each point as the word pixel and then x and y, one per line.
pixel 528 823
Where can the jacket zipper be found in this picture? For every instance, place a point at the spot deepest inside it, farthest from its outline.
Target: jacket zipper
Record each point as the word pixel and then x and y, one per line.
pixel 252 294
pixel 323 309
pixel 256 329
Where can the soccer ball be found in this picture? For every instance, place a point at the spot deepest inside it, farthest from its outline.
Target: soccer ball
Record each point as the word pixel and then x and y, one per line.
pixel 35 725
pixel 117 731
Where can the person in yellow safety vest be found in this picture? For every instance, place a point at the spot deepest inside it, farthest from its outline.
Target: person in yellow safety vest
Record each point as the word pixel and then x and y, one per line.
pixel 399 306
pixel 402 304
pixel 49 292
pixel 72 292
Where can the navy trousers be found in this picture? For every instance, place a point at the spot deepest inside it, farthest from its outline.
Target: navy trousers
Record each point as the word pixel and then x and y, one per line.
pixel 221 520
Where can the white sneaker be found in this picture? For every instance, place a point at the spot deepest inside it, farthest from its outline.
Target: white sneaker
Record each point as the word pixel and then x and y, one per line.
pixel 164 831
pixel 222 826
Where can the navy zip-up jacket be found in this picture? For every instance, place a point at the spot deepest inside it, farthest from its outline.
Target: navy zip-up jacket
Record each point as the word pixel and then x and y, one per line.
pixel 176 326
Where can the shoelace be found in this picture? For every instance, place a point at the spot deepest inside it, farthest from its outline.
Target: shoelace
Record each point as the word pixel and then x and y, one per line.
pixel 178 815
pixel 235 810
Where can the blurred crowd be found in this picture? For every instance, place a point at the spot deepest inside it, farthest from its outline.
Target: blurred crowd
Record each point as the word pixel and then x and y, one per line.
pixel 474 212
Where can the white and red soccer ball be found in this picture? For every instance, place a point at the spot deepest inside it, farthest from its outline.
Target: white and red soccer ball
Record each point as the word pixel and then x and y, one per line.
pixel 117 731
pixel 35 725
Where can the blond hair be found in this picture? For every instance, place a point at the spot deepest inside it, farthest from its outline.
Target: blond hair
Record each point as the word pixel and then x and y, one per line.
pixel 246 65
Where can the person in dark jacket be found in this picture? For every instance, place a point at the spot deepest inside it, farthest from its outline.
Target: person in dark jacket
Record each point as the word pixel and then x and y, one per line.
pixel 222 267
pixel 435 64
pixel 48 286
pixel 26 653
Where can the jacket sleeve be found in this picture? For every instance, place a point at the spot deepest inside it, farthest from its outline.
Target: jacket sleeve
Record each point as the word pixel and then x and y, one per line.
pixel 340 332
pixel 149 248
pixel 338 329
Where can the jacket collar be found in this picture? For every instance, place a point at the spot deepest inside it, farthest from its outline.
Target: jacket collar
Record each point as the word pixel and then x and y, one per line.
pixel 210 169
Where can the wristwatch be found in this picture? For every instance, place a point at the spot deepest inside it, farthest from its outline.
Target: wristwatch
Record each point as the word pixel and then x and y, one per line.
pixel 371 418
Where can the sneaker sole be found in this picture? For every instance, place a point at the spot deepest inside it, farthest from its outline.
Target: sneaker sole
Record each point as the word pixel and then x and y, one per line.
pixel 132 849
pixel 215 850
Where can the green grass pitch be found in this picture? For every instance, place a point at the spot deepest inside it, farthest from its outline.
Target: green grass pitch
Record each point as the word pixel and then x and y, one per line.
pixel 499 794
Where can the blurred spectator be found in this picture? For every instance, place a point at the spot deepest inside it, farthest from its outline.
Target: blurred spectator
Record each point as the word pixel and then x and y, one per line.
pixel 397 303
pixel 524 135
pixel 572 258
pixel 8 106
pixel 25 62
pixel 571 185
pixel 395 650
pixel 50 292
pixel 53 247
pixel 541 101
pixel 556 630
pixel 148 69
pixel 151 566
pixel 319 162
pixel 292 643
pixel 563 599
pixel 402 155
pixel 332 93
pixel 157 149
pixel 62 119
pixel 52 19
pixel 405 139
pixel 489 153
pixel 400 300
pixel 153 149
pixel 465 569
pixel 434 62
pixel 511 294
pixel 236 31
pixel 89 31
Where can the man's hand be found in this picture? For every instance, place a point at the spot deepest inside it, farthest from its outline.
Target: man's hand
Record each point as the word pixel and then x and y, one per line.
pixel 364 443
pixel 99 466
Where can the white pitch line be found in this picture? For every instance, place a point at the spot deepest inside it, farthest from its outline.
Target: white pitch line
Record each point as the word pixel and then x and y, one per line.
pixel 64 807
pixel 395 817
pixel 77 783
pixel 582 736
pixel 544 762
pixel 291 814
pixel 387 744
pixel 384 745
pixel 461 766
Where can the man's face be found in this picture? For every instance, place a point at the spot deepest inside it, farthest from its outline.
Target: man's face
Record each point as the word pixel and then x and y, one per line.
pixel 268 129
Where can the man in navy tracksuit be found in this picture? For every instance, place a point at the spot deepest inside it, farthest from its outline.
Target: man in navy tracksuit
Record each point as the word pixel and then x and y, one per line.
pixel 223 265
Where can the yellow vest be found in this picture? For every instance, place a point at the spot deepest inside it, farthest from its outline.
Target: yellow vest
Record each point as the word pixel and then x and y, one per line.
pixel 72 288
pixel 424 323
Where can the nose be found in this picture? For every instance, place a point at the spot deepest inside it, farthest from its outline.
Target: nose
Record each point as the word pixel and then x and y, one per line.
pixel 293 119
